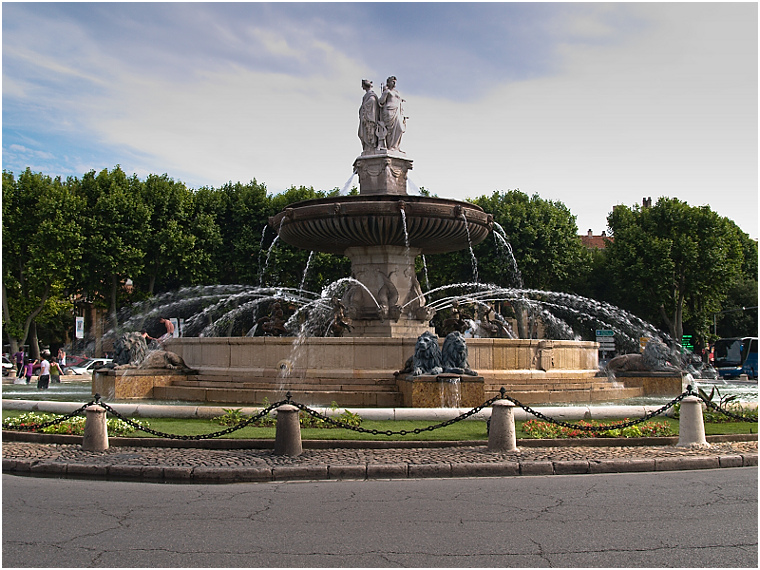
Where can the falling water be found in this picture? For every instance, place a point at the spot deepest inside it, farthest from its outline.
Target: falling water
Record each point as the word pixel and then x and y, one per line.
pixel 472 253
pixel 412 187
pixel 306 270
pixel 347 186
pixel 503 245
pixel 450 390
pixel 424 267
pixel 261 247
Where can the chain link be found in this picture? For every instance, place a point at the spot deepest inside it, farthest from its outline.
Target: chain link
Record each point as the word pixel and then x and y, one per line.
pixel 263 413
pixel 35 427
pixel 337 423
pixel 608 427
pixel 723 411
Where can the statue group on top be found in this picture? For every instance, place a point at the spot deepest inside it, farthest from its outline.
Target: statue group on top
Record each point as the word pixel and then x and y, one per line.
pixel 381 120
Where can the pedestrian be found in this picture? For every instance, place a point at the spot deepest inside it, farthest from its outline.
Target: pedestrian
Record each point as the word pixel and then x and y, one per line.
pixel 43 381
pixel 19 358
pixel 62 358
pixel 29 369
pixel 55 371
pixel 169 330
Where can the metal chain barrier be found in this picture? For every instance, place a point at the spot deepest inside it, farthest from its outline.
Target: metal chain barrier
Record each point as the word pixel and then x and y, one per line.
pixel 337 423
pixel 263 413
pixel 607 427
pixel 389 432
pixel 35 427
pixel 725 412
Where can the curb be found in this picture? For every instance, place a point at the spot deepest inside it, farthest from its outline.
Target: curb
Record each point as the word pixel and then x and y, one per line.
pixel 206 475
pixel 34 437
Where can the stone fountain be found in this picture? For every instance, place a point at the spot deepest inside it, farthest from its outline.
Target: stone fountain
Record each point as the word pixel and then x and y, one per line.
pixel 380 316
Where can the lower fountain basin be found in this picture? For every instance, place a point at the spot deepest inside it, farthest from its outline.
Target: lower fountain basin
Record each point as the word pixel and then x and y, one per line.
pixel 332 225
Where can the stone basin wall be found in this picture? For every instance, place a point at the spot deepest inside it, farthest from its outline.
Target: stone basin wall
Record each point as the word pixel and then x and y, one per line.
pixel 347 358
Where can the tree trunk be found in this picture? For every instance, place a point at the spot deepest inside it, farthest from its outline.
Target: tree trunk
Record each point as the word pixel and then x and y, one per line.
pixel 7 318
pixel 34 343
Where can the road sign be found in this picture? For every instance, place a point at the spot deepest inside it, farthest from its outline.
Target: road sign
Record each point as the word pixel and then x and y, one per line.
pixel 604 332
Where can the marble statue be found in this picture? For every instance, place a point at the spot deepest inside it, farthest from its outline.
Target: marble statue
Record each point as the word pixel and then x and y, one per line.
pixel 392 115
pixel 368 119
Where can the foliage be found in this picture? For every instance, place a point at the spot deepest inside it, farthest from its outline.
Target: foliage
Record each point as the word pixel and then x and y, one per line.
pixel 70 426
pixel 673 263
pixel 234 416
pixel 546 430
pixel 726 403
pixel 42 249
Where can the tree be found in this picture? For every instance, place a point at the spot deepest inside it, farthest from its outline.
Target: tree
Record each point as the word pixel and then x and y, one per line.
pixel 116 230
pixel 545 250
pixel 42 250
pixel 179 239
pixel 673 262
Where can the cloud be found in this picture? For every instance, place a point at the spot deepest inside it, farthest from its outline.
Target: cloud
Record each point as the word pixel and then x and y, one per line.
pixel 590 104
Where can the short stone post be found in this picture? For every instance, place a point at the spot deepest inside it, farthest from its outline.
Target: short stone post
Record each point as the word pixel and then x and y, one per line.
pixel 691 425
pixel 95 430
pixel 502 435
pixel 287 438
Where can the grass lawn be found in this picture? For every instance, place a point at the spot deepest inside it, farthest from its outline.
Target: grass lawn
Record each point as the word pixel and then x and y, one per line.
pixel 464 430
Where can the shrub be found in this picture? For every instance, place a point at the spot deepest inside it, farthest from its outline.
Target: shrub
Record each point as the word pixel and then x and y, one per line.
pixel 546 430
pixel 70 426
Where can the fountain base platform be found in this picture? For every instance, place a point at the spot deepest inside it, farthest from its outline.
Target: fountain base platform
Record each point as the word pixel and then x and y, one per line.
pixel 359 372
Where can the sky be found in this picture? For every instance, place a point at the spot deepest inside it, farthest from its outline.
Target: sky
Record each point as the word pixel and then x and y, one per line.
pixel 588 104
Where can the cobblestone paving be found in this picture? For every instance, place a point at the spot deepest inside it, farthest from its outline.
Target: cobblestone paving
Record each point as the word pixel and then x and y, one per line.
pixel 173 457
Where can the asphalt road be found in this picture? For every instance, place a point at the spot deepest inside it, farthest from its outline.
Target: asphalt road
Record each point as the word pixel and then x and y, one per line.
pixel 702 518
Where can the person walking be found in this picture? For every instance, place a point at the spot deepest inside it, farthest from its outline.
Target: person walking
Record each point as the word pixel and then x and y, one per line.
pixel 43 381
pixel 19 358
pixel 61 358
pixel 29 369
pixel 55 371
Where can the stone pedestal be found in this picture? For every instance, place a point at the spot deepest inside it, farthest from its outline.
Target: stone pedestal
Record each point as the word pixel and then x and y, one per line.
pixel 442 391
pixel 390 303
pixel 383 173
pixel 134 383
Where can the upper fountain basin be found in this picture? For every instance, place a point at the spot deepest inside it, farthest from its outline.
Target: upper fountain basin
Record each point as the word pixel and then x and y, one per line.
pixel 332 225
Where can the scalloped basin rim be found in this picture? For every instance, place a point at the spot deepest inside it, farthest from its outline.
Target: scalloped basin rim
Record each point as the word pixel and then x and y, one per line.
pixel 433 225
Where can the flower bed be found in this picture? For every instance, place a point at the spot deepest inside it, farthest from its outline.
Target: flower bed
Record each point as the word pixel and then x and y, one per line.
pixel 546 430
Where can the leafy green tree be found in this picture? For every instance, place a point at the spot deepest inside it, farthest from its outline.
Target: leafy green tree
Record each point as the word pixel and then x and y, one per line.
pixel 116 227
pixel 673 262
pixel 179 238
pixel 545 250
pixel 42 251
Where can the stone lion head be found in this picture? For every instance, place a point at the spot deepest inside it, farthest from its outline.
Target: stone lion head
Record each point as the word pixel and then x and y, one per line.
pixel 427 355
pixel 130 348
pixel 454 355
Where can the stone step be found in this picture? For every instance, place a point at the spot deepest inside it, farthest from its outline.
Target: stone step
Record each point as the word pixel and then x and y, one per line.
pixel 287 386
pixel 315 380
pixel 251 397
pixel 551 397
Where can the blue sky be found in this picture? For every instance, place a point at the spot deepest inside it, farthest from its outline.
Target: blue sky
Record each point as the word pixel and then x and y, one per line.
pixel 589 104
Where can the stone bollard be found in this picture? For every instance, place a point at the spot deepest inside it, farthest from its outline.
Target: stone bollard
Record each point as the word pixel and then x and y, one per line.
pixel 95 430
pixel 691 425
pixel 287 439
pixel 502 435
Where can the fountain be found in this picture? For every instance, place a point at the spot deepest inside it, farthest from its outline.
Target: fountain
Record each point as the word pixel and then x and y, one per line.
pixel 351 341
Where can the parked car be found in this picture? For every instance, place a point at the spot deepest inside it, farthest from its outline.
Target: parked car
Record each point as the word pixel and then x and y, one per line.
pixel 87 366
pixel 7 366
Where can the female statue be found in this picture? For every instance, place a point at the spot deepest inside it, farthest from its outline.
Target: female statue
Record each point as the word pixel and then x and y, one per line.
pixel 368 115
pixel 392 114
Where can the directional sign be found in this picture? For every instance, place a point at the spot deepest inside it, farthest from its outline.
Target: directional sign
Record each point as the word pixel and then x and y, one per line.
pixel 603 332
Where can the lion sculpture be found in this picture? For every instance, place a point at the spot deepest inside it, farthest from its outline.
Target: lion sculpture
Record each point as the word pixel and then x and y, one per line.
pixel 427 355
pixel 655 358
pixel 454 355
pixel 132 352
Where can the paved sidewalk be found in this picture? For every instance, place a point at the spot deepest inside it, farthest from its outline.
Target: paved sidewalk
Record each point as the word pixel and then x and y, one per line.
pixel 203 465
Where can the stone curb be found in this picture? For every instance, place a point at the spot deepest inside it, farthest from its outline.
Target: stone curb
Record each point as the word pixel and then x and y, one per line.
pixel 204 474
